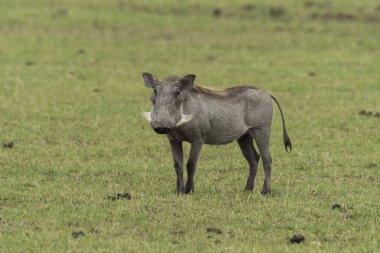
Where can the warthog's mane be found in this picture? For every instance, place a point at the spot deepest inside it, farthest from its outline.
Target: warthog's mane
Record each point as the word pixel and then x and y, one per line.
pixel 228 92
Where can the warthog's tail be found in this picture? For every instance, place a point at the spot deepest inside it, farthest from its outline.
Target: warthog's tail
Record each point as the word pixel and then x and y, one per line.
pixel 287 143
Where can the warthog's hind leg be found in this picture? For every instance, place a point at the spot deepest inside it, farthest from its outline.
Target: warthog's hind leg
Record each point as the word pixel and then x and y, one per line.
pixel 262 137
pixel 252 157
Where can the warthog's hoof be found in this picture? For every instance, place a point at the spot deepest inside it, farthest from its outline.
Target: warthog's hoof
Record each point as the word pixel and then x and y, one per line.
pixel 189 188
pixel 265 192
pixel 180 190
pixel 188 191
pixel 249 188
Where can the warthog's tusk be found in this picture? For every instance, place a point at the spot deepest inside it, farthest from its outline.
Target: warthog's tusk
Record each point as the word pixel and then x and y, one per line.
pixel 147 115
pixel 184 118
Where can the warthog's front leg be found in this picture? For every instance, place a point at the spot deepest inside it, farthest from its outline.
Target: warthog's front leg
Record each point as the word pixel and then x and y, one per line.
pixel 177 152
pixel 191 165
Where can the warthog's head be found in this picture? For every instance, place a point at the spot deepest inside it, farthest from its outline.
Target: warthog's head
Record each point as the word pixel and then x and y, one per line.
pixel 168 96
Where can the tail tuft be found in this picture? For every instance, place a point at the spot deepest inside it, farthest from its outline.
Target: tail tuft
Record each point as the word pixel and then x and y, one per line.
pixel 287 143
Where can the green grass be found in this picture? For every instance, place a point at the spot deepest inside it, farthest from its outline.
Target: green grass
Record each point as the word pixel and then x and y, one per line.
pixel 74 146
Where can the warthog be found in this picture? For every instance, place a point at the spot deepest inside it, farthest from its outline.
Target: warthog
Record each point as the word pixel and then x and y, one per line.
pixel 188 112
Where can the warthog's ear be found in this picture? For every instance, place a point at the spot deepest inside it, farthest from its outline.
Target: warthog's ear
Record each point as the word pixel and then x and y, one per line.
pixel 187 81
pixel 149 80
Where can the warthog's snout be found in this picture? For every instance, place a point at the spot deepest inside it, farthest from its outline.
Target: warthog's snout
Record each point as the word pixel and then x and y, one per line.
pixel 162 126
pixel 161 130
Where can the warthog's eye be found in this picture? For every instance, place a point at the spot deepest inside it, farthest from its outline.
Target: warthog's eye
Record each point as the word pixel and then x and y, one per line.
pixel 177 92
pixel 154 96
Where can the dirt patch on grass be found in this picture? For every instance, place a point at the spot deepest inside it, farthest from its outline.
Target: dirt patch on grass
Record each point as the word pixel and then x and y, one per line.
pixel 276 12
pixel 344 17
pixel 297 239
pixel 8 144
pixel 336 206
pixel 249 7
pixel 312 4
pixel 120 196
pixel 217 12
pixel 77 234
pixel 214 230
pixel 372 19
pixel 369 113
pixel 372 165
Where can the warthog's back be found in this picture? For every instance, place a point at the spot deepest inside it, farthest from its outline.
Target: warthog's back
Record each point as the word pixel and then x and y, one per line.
pixel 231 112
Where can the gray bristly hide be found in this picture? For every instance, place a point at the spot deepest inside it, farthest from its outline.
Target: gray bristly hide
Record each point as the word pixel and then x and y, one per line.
pixel 199 115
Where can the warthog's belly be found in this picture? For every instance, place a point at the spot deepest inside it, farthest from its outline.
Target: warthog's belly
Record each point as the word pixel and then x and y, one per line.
pixel 225 131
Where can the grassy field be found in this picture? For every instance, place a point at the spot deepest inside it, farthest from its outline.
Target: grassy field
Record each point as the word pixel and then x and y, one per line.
pixel 71 94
